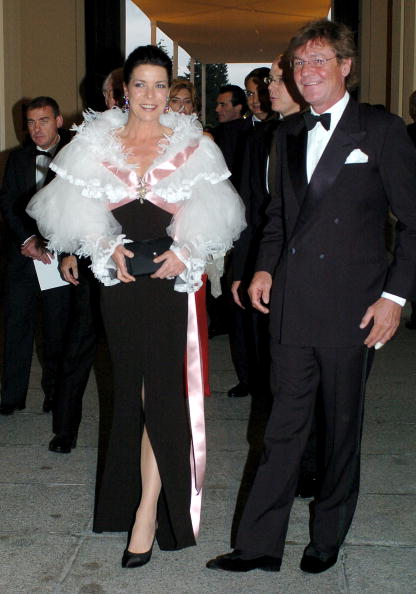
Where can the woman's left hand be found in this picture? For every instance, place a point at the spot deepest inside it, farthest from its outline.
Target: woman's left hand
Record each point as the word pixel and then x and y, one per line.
pixel 171 266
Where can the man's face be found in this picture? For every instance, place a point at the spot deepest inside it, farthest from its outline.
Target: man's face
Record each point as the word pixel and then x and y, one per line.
pixel 321 86
pixel 43 126
pixel 225 110
pixel 280 97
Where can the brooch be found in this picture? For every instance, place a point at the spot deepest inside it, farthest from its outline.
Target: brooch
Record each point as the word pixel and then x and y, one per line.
pixel 141 190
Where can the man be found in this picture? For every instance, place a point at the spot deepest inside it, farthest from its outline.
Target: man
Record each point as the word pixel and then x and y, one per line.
pixel 26 172
pixel 334 298
pixel 249 340
pixel 231 104
pixel 230 135
pixel 286 101
pixel 67 331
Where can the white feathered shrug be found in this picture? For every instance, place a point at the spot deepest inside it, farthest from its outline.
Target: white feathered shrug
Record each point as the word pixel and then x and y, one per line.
pixel 72 210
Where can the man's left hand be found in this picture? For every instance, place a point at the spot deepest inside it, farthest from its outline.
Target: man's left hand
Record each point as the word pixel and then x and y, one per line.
pixel 35 249
pixel 386 315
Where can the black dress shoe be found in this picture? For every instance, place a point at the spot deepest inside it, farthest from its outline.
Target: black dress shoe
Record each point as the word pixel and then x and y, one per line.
pixel 307 486
pixel 62 444
pixel 238 391
pixel 47 404
pixel 233 562
pixel 317 562
pixel 8 409
pixel 136 559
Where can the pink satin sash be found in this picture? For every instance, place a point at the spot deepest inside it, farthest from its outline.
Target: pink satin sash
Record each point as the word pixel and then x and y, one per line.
pixel 193 350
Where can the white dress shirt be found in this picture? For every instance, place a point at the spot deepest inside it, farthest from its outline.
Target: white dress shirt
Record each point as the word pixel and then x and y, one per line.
pixel 42 164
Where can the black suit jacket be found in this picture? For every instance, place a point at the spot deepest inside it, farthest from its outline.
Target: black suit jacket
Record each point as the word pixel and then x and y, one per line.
pixel 19 185
pixel 231 137
pixel 324 241
pixel 255 195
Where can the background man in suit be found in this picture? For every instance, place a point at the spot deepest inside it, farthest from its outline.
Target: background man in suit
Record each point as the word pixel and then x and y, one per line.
pixel 230 136
pixel 335 296
pixel 286 101
pixel 68 337
pixel 26 172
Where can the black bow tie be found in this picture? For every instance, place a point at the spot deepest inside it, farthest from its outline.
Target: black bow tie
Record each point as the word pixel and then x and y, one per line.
pixel 311 120
pixel 39 153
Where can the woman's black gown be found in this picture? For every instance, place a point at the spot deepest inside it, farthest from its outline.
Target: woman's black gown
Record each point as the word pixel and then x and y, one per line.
pixel 146 323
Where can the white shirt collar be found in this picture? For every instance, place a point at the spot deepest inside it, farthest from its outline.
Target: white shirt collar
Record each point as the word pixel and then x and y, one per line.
pixel 336 110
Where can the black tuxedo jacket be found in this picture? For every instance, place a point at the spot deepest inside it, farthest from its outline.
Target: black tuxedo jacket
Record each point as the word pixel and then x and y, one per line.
pixel 324 241
pixel 19 185
pixel 231 137
pixel 255 195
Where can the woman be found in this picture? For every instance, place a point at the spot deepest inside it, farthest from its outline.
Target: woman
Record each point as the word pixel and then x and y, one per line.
pixel 257 93
pixel 121 179
pixel 182 97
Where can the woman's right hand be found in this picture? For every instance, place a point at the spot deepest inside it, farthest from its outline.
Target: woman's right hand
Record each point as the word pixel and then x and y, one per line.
pixel 119 256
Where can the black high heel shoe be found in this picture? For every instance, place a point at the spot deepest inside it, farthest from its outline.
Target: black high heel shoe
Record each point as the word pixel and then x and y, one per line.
pixel 136 559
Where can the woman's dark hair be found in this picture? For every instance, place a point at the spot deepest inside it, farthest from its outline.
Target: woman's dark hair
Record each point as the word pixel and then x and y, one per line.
pixel 257 76
pixel 147 54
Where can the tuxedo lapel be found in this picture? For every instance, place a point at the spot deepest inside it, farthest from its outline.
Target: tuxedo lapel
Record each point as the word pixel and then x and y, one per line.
pixel 345 138
pixel 29 171
pixel 296 159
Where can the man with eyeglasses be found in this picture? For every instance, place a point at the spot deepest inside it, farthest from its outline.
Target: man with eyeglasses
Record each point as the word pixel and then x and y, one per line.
pixel 258 175
pixel 334 297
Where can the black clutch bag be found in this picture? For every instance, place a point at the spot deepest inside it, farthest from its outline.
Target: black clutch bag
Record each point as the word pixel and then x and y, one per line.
pixel 144 253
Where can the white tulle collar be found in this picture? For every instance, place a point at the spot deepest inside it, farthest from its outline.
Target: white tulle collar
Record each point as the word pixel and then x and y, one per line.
pixel 98 130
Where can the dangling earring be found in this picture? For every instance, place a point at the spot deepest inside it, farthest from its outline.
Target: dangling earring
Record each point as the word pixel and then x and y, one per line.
pixel 166 108
pixel 126 105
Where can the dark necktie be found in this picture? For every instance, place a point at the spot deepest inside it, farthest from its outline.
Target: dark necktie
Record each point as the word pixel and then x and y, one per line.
pixel 311 120
pixel 39 153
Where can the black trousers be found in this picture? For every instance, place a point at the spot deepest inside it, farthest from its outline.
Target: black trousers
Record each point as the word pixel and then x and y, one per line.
pixel 298 374
pixel 20 309
pixel 78 355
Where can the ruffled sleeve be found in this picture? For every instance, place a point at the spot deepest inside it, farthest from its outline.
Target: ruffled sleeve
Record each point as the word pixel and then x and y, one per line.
pixel 77 225
pixel 210 220
pixel 71 211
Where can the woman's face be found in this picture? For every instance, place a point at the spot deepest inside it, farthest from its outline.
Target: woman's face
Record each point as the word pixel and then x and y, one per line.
pixel 182 101
pixel 147 92
pixel 253 100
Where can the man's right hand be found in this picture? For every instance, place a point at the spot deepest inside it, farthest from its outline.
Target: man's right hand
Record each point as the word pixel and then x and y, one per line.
pixel 259 290
pixel 69 269
pixel 35 250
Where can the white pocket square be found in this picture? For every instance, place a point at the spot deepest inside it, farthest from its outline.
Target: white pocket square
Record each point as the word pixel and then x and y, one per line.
pixel 356 156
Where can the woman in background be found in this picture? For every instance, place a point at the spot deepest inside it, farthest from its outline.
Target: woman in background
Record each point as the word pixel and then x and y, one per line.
pixel 182 97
